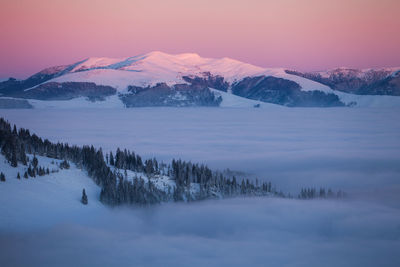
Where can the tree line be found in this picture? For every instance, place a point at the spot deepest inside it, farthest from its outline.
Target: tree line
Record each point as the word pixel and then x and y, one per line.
pixel 192 181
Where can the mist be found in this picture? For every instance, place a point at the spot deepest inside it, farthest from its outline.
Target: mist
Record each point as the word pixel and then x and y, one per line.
pixel 349 149
pixel 356 150
pixel 234 232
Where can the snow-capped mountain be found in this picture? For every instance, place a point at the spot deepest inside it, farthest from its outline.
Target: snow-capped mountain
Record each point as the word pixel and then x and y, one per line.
pixel 152 68
pixel 366 74
pixel 160 79
pixel 383 81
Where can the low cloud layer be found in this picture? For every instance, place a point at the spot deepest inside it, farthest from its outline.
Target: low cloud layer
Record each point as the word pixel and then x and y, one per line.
pixel 351 149
pixel 235 232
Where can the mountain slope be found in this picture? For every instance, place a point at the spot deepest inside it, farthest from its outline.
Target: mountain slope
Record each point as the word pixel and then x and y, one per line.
pixel 157 78
pixel 385 81
pixel 123 179
pixel 48 199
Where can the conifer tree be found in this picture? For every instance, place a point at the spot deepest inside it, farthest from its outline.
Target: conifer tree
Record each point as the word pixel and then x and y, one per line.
pixel 64 165
pixel 116 188
pixel 30 171
pixel 35 162
pixel 14 162
pixel 2 177
pixel 111 159
pixel 84 198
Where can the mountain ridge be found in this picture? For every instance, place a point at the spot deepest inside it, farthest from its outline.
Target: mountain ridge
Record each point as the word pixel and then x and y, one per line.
pixel 337 87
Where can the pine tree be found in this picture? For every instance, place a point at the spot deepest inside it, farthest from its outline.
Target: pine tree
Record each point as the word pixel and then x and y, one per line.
pixel 137 191
pixel 14 162
pixel 84 199
pixel 23 155
pixel 111 159
pixel 64 165
pixel 41 171
pixel 30 172
pixel 35 162
pixel 2 177
pixel 18 176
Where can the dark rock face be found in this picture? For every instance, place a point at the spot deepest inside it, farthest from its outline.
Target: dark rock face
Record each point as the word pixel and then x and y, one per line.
pixel 13 87
pixel 387 86
pixel 68 90
pixel 14 103
pixel 208 80
pixel 373 82
pixel 179 95
pixel 283 92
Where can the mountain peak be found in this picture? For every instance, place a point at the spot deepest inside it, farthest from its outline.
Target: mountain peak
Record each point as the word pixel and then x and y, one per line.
pixel 180 55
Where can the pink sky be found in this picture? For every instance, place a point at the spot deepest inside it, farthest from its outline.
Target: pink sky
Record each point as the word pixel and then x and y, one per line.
pixel 300 34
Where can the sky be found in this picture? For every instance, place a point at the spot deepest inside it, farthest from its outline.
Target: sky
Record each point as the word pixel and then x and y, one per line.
pixel 297 34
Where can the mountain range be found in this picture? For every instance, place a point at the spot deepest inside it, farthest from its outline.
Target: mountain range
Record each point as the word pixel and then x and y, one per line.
pixel 160 79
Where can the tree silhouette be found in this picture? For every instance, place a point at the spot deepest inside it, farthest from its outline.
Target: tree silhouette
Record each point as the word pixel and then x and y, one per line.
pixel 84 198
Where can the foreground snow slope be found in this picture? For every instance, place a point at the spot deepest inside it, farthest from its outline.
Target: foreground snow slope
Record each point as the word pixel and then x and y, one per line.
pixel 45 200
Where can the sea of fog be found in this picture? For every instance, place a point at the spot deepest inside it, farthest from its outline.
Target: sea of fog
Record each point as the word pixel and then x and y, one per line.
pixel 357 150
pixel 343 148
pixel 233 232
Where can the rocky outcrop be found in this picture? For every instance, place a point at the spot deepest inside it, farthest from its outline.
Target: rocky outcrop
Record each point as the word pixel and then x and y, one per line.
pixel 283 92
pixel 68 90
pixel 13 87
pixel 354 81
pixel 387 86
pixel 208 80
pixel 179 95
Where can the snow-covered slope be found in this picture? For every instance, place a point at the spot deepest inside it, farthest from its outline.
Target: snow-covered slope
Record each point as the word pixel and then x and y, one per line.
pixel 378 81
pixel 233 101
pixel 228 101
pixel 158 67
pixel 374 101
pixel 49 199
pixel 155 67
pixel 367 74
